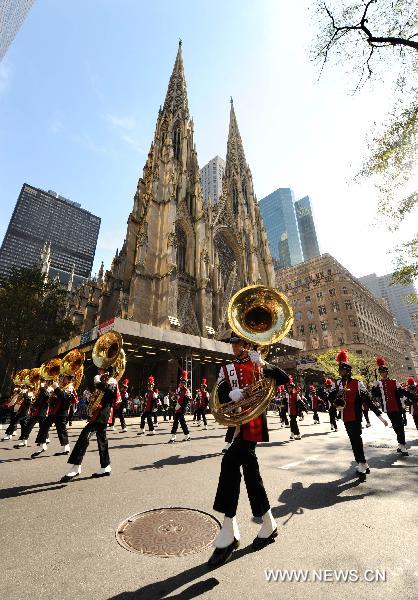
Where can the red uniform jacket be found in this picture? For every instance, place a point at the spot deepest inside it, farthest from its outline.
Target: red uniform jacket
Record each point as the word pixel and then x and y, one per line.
pixel 203 398
pixel 390 394
pixel 150 401
pixel 183 398
pixel 355 395
pixel 293 404
pixel 315 402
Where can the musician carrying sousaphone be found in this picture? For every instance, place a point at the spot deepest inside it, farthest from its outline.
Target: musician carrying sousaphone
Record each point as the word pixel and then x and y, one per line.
pixel 109 357
pixel 261 316
pixel 19 403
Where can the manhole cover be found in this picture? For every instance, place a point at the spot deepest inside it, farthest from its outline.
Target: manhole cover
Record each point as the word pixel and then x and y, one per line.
pixel 168 532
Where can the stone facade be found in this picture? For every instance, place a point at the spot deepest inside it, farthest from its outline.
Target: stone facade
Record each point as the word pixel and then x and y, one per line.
pixel 182 258
pixel 334 310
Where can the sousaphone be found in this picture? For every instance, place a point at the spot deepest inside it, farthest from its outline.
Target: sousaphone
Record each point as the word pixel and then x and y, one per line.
pixel 262 316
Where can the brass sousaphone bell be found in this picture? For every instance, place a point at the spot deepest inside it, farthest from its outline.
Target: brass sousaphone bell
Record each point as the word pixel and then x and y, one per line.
pixel 107 351
pixel 262 316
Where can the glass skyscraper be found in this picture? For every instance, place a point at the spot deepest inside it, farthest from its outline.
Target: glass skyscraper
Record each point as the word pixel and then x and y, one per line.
pixel 278 212
pixel 306 226
pixel 12 15
pixel 41 217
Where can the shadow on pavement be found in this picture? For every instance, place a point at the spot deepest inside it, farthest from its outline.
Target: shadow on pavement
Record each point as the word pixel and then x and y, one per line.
pixel 174 460
pixel 162 589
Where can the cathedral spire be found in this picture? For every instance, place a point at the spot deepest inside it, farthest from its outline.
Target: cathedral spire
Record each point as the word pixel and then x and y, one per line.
pixel 235 156
pixel 176 98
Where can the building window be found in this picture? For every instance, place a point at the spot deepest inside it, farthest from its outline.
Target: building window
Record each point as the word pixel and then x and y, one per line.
pixel 307 299
pixel 345 290
pixel 338 324
pixel 176 142
pixel 310 314
pixel 332 292
pixel 352 321
pixel 235 199
pixel 322 309
pixel 356 338
pixel 324 325
pixel 319 295
pixel 181 249
pixel 301 330
pixel 335 307
pixel 348 305
pixel 312 328
pixel 341 340
pixel 298 316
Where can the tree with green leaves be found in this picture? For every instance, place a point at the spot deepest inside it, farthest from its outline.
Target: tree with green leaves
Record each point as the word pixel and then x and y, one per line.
pixel 364 365
pixel 32 311
pixel 377 40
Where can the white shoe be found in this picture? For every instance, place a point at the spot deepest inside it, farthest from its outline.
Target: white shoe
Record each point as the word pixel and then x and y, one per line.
pixel 123 430
pixel 6 437
pixel 22 444
pixel 268 527
pixel 74 471
pixel 172 440
pixel 228 532
pixel 297 437
pixel 186 439
pixel 102 472
pixel 205 427
pixel 292 436
pixel 47 441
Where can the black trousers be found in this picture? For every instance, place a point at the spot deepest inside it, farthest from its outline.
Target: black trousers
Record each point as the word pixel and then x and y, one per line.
pixel 147 416
pixel 179 418
pixel 165 412
pixel 315 415
pixel 366 416
pixel 154 416
pixel 283 416
pixel 201 414
pixel 416 421
pixel 79 450
pixel 333 417
pixel 195 414
pixel 60 425
pixel 405 422
pixel 170 413
pixel 353 429
pixel 396 418
pixel 119 413
pixel 294 425
pixel 15 419
pixel 28 424
pixel 240 454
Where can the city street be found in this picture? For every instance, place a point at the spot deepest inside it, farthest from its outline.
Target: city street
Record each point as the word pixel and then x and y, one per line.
pixel 58 540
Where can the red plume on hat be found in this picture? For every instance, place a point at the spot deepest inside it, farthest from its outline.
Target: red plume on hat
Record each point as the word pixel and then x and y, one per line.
pixel 151 379
pixel 204 382
pixel 380 361
pixel 342 356
pixel 183 375
pixel 328 381
pixel 125 383
pixel 410 381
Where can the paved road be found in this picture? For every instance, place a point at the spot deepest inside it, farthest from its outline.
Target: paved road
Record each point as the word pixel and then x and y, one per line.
pixel 58 541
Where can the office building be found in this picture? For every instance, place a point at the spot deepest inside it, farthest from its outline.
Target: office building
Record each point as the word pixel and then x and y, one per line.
pixel 333 309
pixel 12 15
pixel 46 219
pixel 278 212
pixel 211 179
pixel 306 226
pixel 396 297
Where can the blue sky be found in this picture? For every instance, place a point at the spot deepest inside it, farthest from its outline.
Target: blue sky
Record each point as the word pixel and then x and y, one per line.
pixel 81 85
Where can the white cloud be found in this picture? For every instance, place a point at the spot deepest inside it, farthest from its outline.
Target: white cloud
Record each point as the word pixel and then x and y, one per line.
pixel 125 123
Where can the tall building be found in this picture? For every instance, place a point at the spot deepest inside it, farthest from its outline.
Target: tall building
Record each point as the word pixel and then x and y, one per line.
pixel 167 290
pixel 47 227
pixel 278 212
pixel 12 15
pixel 211 179
pixel 306 226
pixel 396 298
pixel 334 310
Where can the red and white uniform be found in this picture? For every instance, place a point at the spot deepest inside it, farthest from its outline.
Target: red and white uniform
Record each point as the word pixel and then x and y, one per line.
pixel 183 398
pixel 390 393
pixel 150 401
pixel 314 401
pixel 202 397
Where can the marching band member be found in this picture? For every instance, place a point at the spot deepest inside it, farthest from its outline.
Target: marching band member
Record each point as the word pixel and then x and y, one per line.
pixel 203 402
pixel 413 389
pixel 314 404
pixel 233 378
pixel 283 407
pixel 120 412
pixel 354 393
pixel 293 398
pixel 61 398
pixel 155 409
pixel 12 405
pixel 97 423
pixel 149 405
pixel 332 411
pixel 38 411
pixel 390 394
pixel 183 396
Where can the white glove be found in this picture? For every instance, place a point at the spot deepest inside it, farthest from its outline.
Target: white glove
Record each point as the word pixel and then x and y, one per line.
pixel 42 384
pixel 235 395
pixel 124 410
pixel 385 423
pixel 178 406
pixel 255 357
